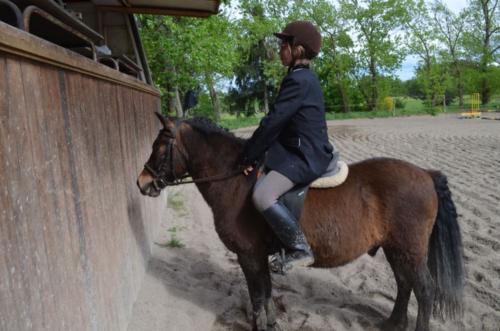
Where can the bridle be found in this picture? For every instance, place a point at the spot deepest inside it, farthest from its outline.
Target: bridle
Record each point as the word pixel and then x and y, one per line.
pixel 160 180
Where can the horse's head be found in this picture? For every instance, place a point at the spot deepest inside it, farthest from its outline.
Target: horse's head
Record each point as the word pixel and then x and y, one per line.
pixel 167 162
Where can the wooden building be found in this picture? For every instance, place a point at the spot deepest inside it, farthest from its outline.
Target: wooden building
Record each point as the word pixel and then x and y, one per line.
pixel 76 125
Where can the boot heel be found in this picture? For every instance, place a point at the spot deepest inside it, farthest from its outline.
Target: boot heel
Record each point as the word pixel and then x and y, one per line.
pixel 303 261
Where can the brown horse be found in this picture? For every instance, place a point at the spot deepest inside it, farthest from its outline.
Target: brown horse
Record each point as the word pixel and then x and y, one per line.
pixel 384 202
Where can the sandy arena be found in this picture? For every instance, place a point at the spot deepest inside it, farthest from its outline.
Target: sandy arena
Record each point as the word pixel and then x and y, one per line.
pixel 201 287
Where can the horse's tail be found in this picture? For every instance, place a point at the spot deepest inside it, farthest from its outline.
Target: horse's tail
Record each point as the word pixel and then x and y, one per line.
pixel 445 259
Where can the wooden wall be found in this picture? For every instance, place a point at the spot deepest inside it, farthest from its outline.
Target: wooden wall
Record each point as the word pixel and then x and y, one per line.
pixel 75 232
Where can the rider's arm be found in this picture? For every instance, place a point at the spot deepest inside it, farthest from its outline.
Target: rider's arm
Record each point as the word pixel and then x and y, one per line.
pixel 287 104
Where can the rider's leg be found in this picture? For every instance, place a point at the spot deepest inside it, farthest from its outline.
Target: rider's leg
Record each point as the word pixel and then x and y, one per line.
pixel 269 188
pixel 265 197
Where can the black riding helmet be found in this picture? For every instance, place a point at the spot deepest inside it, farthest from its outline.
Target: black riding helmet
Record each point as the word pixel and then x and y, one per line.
pixel 302 33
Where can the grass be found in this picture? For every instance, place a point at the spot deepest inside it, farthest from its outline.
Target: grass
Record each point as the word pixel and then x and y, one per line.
pixel 174 242
pixel 232 121
pixel 493 105
pixel 175 201
pixel 412 107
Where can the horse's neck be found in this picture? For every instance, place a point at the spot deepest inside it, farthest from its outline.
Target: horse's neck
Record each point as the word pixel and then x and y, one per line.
pixel 216 157
pixel 210 157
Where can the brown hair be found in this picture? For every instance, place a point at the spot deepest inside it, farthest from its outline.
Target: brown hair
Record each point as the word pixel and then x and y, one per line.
pixel 300 52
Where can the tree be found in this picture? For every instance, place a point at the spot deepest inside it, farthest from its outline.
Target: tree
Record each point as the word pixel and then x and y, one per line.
pixel 450 29
pixel 259 70
pixel 483 40
pixel 434 81
pixel 422 41
pixel 379 49
pixel 188 53
pixel 335 62
pixel 250 88
pixel 156 35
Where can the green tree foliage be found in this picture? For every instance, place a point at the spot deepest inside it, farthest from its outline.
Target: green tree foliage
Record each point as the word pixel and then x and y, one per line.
pixel 422 41
pixel 254 84
pixel 378 48
pixel 188 53
pixel 482 40
pixel 450 29
pixel 336 63
pixel 232 59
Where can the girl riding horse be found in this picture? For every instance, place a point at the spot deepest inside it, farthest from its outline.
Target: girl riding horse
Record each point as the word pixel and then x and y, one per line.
pixel 294 135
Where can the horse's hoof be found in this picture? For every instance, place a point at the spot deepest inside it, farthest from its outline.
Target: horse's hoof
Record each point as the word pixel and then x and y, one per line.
pixel 389 325
pixel 274 327
pixel 260 320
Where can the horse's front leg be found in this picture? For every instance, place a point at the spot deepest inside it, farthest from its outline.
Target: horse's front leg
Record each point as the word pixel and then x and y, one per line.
pixel 256 270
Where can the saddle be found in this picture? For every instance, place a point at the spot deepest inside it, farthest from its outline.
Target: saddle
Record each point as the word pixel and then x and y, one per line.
pixel 335 174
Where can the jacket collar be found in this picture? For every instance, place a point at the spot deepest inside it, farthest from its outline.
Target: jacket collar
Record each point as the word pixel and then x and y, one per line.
pixel 297 67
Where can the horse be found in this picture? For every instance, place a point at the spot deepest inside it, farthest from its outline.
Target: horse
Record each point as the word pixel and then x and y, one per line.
pixel 384 203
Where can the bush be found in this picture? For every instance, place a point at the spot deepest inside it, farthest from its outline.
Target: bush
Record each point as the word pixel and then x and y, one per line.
pixel 400 103
pixel 388 103
pixel 204 107
pixel 432 110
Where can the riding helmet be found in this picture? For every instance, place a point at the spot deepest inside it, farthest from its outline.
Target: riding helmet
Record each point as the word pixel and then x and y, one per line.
pixel 302 33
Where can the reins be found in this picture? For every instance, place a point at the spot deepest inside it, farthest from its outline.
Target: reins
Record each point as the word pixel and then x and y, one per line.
pixel 160 181
pixel 215 178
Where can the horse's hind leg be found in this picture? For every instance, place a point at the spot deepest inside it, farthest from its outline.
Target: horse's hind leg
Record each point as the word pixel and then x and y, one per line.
pixel 399 316
pixel 410 276
pixel 424 289
pixel 256 271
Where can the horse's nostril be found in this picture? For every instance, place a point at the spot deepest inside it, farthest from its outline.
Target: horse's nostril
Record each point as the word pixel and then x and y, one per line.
pixel 143 190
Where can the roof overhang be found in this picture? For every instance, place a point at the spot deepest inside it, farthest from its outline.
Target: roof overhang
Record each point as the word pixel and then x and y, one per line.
pixel 198 8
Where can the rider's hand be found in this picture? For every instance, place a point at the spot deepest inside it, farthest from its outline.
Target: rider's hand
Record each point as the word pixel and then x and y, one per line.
pixel 248 170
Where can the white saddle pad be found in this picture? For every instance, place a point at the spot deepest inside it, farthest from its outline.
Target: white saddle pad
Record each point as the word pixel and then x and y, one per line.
pixel 335 180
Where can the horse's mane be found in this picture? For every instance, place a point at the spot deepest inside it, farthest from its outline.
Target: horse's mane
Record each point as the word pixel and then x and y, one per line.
pixel 208 127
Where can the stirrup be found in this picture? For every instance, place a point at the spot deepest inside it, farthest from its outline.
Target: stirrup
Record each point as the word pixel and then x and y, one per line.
pixel 277 263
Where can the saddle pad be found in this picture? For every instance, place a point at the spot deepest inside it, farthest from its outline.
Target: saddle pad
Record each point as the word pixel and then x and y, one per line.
pixel 335 180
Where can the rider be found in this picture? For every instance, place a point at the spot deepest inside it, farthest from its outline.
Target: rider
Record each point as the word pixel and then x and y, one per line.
pixel 293 138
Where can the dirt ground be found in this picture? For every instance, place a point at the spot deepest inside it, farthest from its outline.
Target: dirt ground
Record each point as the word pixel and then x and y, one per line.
pixel 200 286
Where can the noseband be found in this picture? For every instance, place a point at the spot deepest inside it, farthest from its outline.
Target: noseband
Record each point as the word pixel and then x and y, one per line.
pixel 160 180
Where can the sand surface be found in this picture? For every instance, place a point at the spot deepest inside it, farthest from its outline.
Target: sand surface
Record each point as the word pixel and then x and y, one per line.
pixel 201 287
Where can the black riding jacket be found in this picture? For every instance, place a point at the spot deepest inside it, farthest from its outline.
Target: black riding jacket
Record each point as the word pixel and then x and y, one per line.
pixel 294 133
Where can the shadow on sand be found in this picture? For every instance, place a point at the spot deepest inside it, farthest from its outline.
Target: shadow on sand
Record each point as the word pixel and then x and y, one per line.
pixel 192 275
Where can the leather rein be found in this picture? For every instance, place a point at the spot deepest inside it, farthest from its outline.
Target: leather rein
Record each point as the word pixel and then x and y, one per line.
pixel 160 180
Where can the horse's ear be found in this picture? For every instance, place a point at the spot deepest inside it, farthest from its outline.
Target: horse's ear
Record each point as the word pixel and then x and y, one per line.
pixel 163 119
pixel 167 123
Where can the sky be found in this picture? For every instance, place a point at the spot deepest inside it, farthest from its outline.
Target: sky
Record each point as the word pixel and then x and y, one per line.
pixel 407 70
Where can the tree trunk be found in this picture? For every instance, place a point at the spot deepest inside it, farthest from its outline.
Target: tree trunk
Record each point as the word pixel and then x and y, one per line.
pixel 372 105
pixel 213 97
pixel 460 85
pixel 174 102
pixel 178 104
pixel 171 104
pixel 485 84
pixel 485 88
pixel 345 98
pixel 429 89
pixel 174 99
pixel 266 100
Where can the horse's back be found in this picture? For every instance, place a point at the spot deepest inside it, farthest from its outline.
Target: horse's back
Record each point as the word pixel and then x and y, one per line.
pixel 382 202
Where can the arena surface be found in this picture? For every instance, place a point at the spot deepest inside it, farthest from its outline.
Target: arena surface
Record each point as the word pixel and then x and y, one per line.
pixel 200 286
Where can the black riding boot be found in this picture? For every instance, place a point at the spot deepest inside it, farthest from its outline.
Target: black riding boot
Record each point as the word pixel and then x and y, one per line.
pixel 288 231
